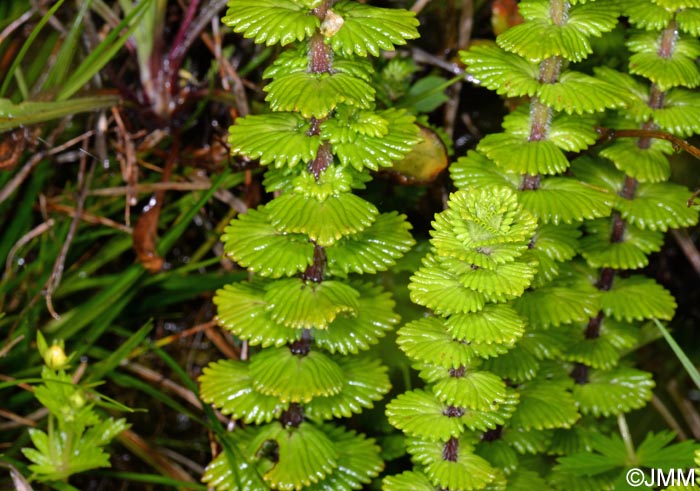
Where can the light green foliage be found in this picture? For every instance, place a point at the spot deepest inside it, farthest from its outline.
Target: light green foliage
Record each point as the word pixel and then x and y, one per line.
pixel 500 397
pixel 76 433
pixel 609 459
pixel 480 243
pixel 309 322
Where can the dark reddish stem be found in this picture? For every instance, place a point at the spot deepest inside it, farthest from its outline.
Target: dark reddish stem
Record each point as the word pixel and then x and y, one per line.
pixel 451 450
pixel 492 435
pixel 179 48
pixel 293 416
pixel 315 271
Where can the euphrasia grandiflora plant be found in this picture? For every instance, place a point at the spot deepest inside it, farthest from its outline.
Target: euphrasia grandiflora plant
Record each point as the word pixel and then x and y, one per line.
pixel 304 307
pixel 476 264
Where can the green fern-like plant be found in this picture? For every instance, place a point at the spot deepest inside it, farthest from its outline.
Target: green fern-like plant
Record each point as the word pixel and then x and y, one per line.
pixel 476 264
pixel 563 370
pixel 529 158
pixel 307 318
pixel 635 170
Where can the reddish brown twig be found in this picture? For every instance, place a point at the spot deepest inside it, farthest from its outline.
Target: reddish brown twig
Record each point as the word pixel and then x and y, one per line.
pixel 608 134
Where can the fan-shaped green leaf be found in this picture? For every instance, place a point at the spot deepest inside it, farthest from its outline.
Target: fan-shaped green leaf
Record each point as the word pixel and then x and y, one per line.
pixel 501 283
pixel 597 352
pixel 508 74
pixel 492 417
pixel 468 471
pixel 658 206
pixel 494 324
pixel 242 309
pixel 356 147
pixel 254 243
pixel 366 381
pixel 518 365
pixel 358 461
pixel 580 93
pixel 645 165
pixel 545 343
pixel 324 222
pixel 348 335
pixel 560 199
pixel 477 171
pixel 540 38
pixel 271 21
pixel 680 114
pixel 440 290
pixel 688 20
pixel 547 270
pixel 572 133
pixel 368 29
pixel 573 440
pixel 646 15
pixel 316 95
pixel 634 92
pixel 294 59
pixel 519 154
pixel 612 392
pixel 561 302
pixel 678 4
pixel 629 253
pixel 376 248
pixel 500 454
pixel 291 378
pixel 526 441
pixel 598 173
pixel 407 481
pixel 306 455
pixel 280 138
pixel 418 413
pixel 482 391
pixel 332 181
pixel 621 335
pixel 678 69
pixel 557 241
pixel 414 412
pixel 227 385
pixel 304 304
pixel 428 340
pixel 637 298
pixel 544 404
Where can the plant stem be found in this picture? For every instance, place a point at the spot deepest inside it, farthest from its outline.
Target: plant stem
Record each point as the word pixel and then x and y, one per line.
pixel 667 43
pixel 541 114
pixel 627 438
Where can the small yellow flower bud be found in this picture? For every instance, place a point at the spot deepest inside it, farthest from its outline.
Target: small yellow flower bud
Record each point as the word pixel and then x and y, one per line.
pixel 78 399
pixel 55 358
